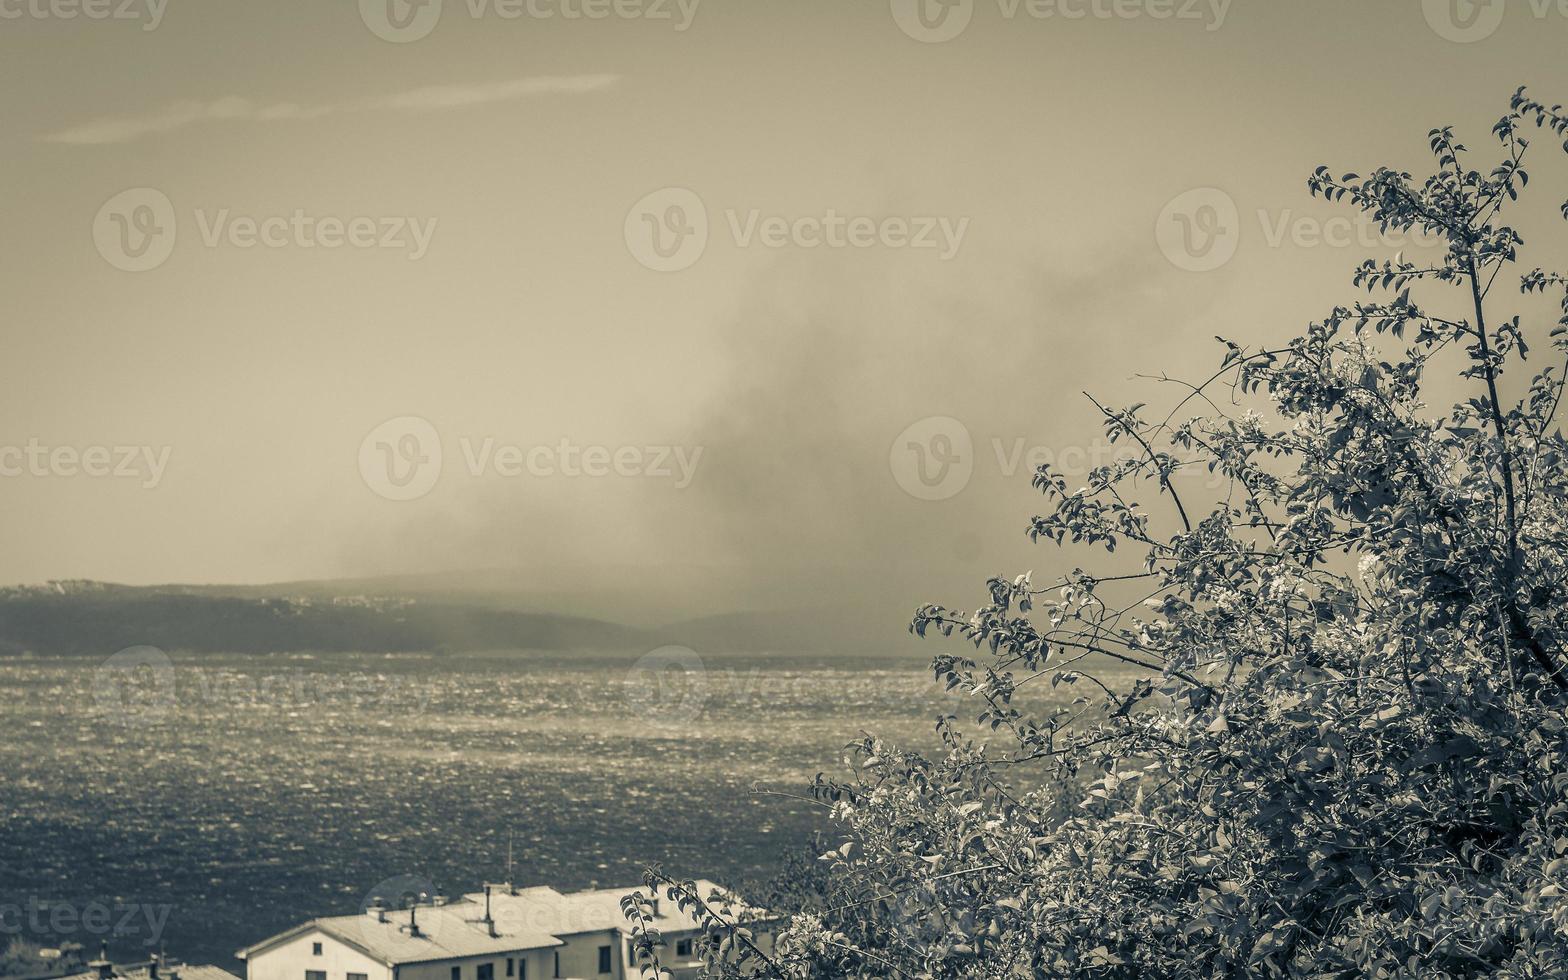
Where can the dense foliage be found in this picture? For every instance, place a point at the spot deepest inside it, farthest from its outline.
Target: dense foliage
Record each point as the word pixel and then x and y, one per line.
pixel 1350 754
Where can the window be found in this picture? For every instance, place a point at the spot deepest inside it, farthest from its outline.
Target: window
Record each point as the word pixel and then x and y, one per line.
pixel 315 975
pixel 511 966
pixel 457 973
pixel 604 959
pixel 486 971
pixel 557 964
pixel 358 976
pixel 522 970
pixel 683 948
pixel 315 949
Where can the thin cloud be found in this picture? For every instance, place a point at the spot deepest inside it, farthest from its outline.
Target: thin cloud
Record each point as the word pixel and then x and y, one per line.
pixel 452 96
pixel 180 115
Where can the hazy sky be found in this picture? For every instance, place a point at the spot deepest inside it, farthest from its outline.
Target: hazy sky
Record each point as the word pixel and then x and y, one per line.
pixel 985 211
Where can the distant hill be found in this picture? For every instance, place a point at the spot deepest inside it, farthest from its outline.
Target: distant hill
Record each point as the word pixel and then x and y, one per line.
pixel 395 615
pixel 97 618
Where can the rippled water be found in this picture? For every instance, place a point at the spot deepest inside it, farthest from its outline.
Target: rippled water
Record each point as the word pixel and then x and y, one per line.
pixel 241 795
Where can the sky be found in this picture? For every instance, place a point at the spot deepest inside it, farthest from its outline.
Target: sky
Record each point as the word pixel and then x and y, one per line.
pixel 792 291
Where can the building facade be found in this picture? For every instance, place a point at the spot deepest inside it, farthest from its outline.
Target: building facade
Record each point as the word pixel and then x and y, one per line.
pixel 503 933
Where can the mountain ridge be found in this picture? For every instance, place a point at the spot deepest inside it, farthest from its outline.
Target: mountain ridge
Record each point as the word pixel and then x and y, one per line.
pixel 80 617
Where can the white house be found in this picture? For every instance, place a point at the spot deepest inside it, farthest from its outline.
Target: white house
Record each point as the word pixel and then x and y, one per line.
pixel 156 969
pixel 502 933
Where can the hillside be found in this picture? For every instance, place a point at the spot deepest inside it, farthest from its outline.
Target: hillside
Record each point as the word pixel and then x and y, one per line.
pixel 94 618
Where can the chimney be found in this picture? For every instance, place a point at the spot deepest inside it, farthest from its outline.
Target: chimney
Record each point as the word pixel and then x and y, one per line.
pixel 489 920
pixel 377 909
pixel 438 899
pixel 101 965
pixel 654 901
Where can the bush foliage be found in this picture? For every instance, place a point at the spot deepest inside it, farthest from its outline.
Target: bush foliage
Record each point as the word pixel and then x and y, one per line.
pixel 1349 754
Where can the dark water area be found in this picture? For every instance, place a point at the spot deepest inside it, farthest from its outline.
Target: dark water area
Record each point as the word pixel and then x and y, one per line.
pixel 206 803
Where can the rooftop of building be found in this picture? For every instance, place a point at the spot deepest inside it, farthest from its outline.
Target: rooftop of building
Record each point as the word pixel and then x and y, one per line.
pixel 500 920
pixel 595 910
pixel 102 969
pixel 453 930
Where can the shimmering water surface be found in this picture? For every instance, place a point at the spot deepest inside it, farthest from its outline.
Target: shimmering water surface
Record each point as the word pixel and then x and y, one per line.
pixel 240 795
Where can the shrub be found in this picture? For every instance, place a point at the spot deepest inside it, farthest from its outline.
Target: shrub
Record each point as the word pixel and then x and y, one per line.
pixel 1349 755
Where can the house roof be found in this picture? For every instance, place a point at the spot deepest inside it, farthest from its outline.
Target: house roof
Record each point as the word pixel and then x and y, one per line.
pixel 525 918
pixel 143 971
pixel 596 910
pixel 446 932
